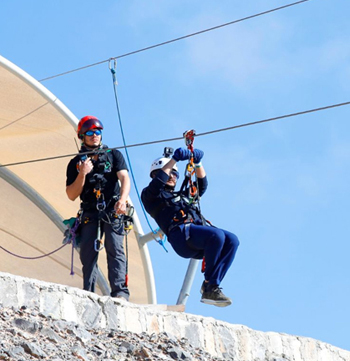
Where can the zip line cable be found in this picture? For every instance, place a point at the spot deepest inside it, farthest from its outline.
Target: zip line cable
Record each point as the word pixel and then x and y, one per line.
pixel 181 138
pixel 113 71
pixel 176 39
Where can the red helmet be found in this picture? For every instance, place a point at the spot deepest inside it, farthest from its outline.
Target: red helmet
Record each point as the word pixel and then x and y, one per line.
pixel 87 123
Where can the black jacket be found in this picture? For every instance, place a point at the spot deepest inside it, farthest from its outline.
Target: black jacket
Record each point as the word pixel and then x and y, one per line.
pixel 169 207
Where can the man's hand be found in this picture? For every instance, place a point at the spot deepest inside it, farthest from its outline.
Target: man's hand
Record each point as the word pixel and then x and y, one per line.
pixel 181 154
pixel 74 190
pixel 86 166
pixel 197 156
pixel 120 207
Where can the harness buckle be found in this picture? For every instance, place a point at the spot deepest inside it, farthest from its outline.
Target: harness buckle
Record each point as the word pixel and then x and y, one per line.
pixel 182 215
pixel 101 206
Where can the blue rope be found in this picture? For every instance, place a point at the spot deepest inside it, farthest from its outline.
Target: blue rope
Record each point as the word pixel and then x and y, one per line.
pixel 161 241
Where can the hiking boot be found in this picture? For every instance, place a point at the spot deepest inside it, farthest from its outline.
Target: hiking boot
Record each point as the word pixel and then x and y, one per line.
pixel 204 285
pixel 213 295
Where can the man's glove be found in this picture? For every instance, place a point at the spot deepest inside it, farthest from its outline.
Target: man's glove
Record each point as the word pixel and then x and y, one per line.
pixel 181 154
pixel 197 156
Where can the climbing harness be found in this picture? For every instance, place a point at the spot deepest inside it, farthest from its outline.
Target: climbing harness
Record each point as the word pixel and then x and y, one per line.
pixel 102 165
pixel 117 221
pixel 188 194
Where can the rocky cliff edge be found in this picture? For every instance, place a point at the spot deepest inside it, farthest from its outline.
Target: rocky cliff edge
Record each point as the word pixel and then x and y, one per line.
pixel 33 310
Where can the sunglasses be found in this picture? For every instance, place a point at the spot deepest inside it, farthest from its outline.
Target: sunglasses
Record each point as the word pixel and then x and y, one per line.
pixel 92 132
pixel 175 174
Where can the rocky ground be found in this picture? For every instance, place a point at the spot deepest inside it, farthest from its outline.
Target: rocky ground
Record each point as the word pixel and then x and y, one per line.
pixel 27 334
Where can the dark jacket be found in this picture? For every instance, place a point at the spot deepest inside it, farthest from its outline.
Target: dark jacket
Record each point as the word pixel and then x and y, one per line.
pixel 168 207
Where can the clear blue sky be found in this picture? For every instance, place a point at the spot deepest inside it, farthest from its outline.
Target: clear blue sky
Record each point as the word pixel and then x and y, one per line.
pixel 282 187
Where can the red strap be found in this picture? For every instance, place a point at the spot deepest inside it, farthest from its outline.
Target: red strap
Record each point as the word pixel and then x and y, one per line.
pixel 203 265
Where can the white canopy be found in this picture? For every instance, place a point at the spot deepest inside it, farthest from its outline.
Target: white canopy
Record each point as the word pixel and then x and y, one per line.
pixel 34 124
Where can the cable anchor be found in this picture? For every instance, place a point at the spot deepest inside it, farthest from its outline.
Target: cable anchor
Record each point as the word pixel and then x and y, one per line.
pixel 113 69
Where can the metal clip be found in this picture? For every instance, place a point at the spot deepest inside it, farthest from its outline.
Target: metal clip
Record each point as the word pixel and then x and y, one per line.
pixel 101 206
pixel 113 69
pixel 98 246
pixel 189 138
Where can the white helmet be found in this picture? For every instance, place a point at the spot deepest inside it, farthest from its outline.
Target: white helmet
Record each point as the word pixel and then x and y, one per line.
pixel 159 163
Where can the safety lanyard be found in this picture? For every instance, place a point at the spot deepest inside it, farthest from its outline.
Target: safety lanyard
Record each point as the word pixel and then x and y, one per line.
pixel 190 171
pixel 101 206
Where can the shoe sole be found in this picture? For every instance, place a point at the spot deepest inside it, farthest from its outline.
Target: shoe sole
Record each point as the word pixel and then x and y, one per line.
pixel 216 303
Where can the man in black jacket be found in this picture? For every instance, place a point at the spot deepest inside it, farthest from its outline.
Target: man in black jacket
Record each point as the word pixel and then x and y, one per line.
pixel 94 178
pixel 187 231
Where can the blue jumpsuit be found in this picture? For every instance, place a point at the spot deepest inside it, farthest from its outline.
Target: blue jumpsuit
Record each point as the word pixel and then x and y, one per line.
pixel 190 237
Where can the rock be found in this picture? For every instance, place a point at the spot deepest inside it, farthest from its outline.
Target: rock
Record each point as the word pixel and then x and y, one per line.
pixel 25 325
pixel 33 350
pixel 51 335
pixel 82 335
pixel 176 353
pixel 16 352
pixel 128 346
pixel 36 336
pixel 80 353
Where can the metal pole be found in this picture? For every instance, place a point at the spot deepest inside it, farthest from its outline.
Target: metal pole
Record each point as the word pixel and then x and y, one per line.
pixel 188 281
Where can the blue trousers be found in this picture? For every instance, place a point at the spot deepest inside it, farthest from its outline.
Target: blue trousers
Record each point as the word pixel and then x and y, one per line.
pixel 218 246
pixel 114 245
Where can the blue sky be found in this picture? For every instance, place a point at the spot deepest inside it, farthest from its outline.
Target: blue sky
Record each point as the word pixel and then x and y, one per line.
pixel 282 187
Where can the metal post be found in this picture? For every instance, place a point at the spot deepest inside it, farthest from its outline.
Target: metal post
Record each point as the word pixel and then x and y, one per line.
pixel 188 281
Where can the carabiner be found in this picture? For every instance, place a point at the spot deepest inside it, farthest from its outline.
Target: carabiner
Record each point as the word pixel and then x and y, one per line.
pixel 113 69
pixel 98 245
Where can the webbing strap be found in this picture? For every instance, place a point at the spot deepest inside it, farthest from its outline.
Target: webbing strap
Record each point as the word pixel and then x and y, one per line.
pixel 190 168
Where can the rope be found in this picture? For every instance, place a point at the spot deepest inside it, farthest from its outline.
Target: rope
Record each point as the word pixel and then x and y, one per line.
pixel 24 116
pixel 71 240
pixel 181 138
pixel 32 258
pixel 176 39
pixel 113 71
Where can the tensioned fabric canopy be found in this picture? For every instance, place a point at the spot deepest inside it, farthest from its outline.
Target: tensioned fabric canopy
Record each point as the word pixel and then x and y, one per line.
pixel 34 124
